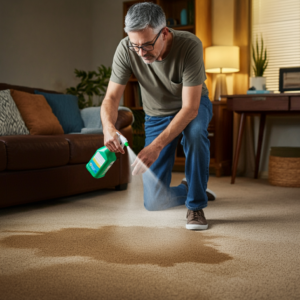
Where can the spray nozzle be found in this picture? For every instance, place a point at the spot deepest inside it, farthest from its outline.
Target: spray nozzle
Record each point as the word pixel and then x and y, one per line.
pixel 123 140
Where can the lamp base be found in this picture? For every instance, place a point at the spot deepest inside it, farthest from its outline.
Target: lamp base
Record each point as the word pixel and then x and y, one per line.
pixel 221 87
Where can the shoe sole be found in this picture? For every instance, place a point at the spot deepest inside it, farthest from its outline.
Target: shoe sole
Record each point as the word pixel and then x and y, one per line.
pixel 214 196
pixel 196 226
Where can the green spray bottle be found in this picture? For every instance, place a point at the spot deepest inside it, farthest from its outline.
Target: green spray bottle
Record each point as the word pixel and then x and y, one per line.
pixel 103 159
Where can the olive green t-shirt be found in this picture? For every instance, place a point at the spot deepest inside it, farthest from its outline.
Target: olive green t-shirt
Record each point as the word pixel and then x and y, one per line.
pixel 161 82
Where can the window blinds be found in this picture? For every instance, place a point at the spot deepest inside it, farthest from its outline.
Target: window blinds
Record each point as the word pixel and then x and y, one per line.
pixel 278 22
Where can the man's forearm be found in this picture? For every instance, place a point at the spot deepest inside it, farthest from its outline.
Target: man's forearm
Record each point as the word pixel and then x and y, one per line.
pixel 109 114
pixel 177 125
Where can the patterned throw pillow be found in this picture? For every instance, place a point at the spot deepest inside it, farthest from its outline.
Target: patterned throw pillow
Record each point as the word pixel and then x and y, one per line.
pixel 11 122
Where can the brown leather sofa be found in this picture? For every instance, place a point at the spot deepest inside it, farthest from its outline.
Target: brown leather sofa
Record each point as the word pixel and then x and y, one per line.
pixel 40 167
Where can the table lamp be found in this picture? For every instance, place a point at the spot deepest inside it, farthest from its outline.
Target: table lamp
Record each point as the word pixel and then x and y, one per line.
pixel 222 59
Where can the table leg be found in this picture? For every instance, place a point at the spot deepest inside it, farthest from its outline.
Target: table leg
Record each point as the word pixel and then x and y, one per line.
pixel 259 144
pixel 238 147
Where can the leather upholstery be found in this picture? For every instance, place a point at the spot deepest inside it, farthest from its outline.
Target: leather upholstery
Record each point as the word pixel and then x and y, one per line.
pixel 125 162
pixel 83 146
pixel 5 86
pixel 22 187
pixel 2 156
pixel 125 119
pixel 35 152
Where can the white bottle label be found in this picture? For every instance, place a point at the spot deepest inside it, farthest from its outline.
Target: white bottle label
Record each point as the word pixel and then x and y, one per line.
pixel 99 158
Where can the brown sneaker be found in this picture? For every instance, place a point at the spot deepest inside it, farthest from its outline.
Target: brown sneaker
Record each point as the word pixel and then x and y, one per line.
pixel 196 220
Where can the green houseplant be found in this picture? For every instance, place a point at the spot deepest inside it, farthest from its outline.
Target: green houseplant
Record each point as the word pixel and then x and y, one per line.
pixel 260 63
pixel 92 83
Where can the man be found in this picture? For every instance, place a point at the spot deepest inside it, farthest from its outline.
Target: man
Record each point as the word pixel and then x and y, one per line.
pixel 169 67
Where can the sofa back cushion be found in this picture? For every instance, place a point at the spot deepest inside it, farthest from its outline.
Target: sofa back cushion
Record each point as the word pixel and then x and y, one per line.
pixel 37 114
pixel 6 86
pixel 11 122
pixel 65 108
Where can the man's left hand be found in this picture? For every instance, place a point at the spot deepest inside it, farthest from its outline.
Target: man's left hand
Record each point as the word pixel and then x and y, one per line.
pixel 145 159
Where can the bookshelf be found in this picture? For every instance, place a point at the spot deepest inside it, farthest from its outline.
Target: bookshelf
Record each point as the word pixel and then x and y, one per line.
pixel 199 23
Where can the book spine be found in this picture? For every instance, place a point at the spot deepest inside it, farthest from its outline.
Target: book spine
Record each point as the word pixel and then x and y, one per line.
pixel 140 96
pixel 190 12
pixel 257 92
pixel 136 95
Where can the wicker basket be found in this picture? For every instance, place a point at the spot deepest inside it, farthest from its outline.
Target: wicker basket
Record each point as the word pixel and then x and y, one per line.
pixel 284 171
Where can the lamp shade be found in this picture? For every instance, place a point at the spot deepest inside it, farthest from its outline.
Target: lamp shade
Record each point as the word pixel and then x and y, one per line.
pixel 222 59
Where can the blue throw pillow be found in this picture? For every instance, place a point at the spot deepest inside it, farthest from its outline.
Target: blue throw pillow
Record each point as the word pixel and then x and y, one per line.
pixel 65 108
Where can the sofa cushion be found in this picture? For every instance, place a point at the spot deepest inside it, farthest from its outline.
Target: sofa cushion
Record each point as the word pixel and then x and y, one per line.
pixel 91 117
pixel 37 113
pixel 66 109
pixel 2 156
pixel 11 122
pixel 35 152
pixel 92 120
pixel 125 118
pixel 83 147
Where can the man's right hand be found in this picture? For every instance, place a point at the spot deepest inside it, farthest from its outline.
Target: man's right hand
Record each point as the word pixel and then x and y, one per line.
pixel 111 140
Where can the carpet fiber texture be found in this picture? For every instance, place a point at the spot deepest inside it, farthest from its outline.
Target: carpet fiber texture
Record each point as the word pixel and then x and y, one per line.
pixel 105 245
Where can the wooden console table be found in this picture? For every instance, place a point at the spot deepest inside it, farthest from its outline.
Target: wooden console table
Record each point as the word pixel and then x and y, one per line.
pixel 263 104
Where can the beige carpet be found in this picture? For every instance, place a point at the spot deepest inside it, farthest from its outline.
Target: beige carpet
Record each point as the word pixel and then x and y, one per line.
pixel 105 245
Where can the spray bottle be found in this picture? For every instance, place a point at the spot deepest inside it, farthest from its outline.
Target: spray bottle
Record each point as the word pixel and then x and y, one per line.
pixel 103 159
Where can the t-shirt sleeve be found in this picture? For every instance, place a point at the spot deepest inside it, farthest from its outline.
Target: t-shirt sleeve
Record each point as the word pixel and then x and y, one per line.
pixel 194 70
pixel 121 69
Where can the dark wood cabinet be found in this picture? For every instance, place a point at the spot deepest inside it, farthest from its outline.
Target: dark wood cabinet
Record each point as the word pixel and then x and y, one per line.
pixel 220 130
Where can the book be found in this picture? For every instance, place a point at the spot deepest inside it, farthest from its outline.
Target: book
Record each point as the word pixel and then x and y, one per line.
pixel 140 96
pixel 136 95
pixel 190 12
pixel 259 92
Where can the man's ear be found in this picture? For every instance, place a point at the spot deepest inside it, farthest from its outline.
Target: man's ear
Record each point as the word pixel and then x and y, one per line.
pixel 165 32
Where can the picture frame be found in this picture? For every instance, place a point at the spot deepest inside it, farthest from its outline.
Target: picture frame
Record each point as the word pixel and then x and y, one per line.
pixel 289 79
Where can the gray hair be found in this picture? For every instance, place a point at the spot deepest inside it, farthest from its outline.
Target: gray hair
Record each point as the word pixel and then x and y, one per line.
pixel 145 14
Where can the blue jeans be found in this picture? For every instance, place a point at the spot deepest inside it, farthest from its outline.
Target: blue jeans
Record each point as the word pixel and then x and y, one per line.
pixel 158 194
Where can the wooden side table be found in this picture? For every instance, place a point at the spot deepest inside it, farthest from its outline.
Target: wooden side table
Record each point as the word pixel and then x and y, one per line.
pixel 263 104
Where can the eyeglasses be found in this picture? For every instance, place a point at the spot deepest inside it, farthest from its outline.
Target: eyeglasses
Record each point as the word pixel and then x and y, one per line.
pixel 146 47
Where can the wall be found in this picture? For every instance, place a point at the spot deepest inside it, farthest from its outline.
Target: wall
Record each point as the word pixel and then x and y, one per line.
pixel 222 32
pixel 42 42
pixel 107 30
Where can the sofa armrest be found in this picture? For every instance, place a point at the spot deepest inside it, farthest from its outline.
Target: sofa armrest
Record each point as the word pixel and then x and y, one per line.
pixel 125 118
pixel 3 155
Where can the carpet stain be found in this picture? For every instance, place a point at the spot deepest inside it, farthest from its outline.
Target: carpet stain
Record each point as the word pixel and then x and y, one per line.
pixel 164 247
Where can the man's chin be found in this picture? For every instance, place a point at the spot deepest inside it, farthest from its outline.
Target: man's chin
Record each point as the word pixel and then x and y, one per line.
pixel 148 61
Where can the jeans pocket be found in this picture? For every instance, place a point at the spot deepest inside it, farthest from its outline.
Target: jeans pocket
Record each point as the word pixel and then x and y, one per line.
pixel 147 118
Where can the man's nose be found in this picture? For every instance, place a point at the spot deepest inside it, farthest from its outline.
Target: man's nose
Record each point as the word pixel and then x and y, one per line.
pixel 142 52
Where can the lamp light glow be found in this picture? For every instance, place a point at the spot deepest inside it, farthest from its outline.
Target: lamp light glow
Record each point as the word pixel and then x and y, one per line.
pixel 222 59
